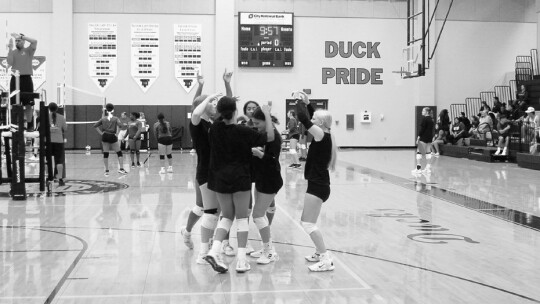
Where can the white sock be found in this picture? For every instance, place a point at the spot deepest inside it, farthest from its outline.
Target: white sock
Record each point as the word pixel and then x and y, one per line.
pixel 216 246
pixel 242 252
pixel 268 245
pixel 204 247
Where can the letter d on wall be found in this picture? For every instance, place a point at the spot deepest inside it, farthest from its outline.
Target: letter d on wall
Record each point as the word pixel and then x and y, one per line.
pixel 330 49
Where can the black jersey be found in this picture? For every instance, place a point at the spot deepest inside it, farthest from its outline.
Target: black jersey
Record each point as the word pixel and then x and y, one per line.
pixel 318 159
pixel 426 129
pixel 230 158
pixel 199 135
pixel 267 170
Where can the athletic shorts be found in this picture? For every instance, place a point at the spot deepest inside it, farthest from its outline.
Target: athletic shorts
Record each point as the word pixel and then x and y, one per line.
pixel 57 152
pixel 134 144
pixel 320 191
pixel 166 140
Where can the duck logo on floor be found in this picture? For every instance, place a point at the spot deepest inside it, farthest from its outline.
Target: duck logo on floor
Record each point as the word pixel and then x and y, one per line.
pixel 71 187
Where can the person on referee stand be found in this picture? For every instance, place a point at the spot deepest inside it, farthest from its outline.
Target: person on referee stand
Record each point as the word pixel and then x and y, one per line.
pixel 20 59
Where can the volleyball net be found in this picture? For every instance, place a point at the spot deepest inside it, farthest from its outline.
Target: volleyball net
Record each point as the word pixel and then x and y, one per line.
pixel 68 96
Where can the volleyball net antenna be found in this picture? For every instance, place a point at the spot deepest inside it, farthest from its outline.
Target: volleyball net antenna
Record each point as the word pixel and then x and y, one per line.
pixel 69 96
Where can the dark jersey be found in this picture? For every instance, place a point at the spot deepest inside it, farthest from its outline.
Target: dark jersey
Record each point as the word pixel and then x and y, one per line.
pixel 199 135
pixel 267 170
pixel 318 159
pixel 230 157
pixel 426 129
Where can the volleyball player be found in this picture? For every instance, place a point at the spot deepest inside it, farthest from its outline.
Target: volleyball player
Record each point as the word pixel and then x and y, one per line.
pixel 321 157
pixel 268 181
pixel 230 177
pixel 108 127
pixel 58 128
pixel 423 142
pixel 135 128
pixel 163 133
pixel 197 211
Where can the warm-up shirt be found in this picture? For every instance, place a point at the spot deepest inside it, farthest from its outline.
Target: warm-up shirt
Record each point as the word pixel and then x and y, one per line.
pixel 161 131
pixel 135 126
pixel 21 60
pixel 108 125
pixel 58 129
pixel 426 129
pixel 199 135
pixel 230 156
pixel 317 161
pixel 267 170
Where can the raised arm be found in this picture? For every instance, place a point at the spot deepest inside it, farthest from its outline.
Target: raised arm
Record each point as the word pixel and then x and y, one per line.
pixel 227 80
pixel 270 136
pixel 199 110
pixel 305 118
pixel 200 81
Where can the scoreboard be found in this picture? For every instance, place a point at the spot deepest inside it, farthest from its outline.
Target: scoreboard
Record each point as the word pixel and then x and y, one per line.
pixel 265 40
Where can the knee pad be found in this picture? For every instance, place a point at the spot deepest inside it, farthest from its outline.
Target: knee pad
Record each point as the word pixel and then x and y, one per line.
pixel 209 221
pixel 211 211
pixel 198 211
pixel 162 157
pixel 243 225
pixel 119 153
pixel 224 224
pixel 271 210
pixel 292 151
pixel 169 156
pixel 137 152
pixel 428 156
pixel 105 154
pixel 309 227
pixel 261 222
pixel 132 151
pixel 418 156
pixel 302 146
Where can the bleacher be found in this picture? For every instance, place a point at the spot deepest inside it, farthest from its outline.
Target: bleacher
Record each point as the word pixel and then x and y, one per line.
pixel 526 73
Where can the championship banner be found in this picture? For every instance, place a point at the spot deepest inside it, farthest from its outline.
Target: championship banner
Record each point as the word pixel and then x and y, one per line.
pixel 144 54
pixel 38 78
pixel 102 53
pixel 187 54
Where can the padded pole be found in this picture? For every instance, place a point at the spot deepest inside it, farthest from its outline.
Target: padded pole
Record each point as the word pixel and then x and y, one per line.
pixel 18 188
pixel 42 118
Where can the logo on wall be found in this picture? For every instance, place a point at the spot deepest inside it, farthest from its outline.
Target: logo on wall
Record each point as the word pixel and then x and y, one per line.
pixel 72 187
pixel 39 72
pixel 352 75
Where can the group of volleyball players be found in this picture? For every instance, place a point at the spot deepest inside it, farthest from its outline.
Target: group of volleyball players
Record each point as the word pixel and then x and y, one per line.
pixel 113 130
pixel 234 153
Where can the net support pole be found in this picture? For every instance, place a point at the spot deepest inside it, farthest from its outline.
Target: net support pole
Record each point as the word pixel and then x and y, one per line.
pixel 18 187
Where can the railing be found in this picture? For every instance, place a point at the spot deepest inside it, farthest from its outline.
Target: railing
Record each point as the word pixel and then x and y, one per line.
pixel 503 92
pixel 473 105
pixel 456 109
pixel 513 89
pixel 534 61
pixel 487 97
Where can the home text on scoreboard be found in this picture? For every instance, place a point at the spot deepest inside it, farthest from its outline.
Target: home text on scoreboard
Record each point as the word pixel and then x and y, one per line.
pixel 265 40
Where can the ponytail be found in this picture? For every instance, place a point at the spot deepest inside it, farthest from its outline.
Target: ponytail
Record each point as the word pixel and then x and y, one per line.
pixel 53 107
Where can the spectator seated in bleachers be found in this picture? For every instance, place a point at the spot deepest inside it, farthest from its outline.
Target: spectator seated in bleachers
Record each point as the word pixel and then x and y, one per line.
pixel 443 122
pixel 503 128
pixel 484 107
pixel 466 122
pixel 473 131
pixel 438 139
pixel 457 133
pixel 522 94
pixel 485 127
pixel 497 105
pixel 530 130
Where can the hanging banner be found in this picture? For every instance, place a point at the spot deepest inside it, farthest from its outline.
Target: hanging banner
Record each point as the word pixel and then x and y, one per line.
pixel 38 78
pixel 187 54
pixel 102 53
pixel 144 54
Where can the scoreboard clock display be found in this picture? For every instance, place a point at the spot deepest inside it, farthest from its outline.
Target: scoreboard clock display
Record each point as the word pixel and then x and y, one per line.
pixel 265 40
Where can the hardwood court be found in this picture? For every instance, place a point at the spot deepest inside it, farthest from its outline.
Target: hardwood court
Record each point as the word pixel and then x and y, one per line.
pixel 469 233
